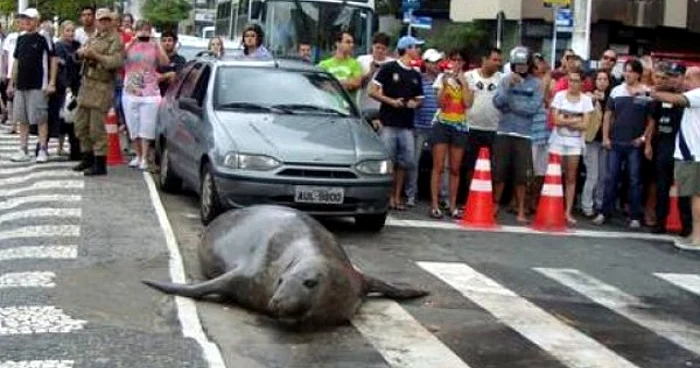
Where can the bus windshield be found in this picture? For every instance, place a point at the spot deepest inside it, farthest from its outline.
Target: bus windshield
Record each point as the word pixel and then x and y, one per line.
pixel 289 22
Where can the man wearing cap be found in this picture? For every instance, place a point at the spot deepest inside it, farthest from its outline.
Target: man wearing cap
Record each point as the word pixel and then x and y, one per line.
pixel 343 66
pixel 667 120
pixel 32 79
pixel 398 87
pixel 102 56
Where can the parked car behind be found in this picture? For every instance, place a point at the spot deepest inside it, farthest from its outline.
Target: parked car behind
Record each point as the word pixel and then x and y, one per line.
pixel 244 132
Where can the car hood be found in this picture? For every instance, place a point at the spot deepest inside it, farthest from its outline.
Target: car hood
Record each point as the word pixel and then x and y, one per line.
pixel 303 138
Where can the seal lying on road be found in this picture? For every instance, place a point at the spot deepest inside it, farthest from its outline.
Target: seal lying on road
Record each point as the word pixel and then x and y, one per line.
pixel 284 263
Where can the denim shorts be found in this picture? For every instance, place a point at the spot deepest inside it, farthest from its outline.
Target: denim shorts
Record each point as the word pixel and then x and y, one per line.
pixel 400 143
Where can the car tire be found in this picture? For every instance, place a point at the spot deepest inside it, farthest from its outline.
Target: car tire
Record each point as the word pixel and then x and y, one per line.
pixel 168 181
pixel 372 223
pixel 209 205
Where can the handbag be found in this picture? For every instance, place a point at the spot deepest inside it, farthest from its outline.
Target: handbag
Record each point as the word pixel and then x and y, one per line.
pixel 594 124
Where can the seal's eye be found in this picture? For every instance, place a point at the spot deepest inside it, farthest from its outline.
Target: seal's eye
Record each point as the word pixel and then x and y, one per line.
pixel 310 283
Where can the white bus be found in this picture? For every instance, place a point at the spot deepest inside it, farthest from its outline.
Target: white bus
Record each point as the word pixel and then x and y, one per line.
pixel 288 22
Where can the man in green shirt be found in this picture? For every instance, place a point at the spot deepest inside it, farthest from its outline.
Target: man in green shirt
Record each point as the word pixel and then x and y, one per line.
pixel 344 66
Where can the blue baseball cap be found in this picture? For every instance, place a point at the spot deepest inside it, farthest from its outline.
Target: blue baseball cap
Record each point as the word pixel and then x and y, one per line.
pixel 406 42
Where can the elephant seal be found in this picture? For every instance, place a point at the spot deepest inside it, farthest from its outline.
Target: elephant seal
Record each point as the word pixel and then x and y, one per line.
pixel 281 262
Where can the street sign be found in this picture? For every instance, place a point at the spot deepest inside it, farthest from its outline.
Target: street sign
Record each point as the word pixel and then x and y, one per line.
pixel 407 5
pixel 422 22
pixel 407 15
pixel 560 3
pixel 564 18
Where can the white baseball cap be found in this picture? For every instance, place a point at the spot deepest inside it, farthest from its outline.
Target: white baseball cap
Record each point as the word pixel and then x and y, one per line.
pixel 432 55
pixel 30 13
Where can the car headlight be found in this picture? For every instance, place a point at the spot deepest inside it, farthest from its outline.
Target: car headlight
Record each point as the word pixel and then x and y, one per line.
pixel 250 162
pixel 375 167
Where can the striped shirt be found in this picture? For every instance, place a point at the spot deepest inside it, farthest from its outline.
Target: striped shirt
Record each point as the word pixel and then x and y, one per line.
pixel 429 107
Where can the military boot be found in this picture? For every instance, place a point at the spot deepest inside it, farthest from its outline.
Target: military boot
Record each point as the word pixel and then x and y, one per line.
pixel 86 162
pixel 99 167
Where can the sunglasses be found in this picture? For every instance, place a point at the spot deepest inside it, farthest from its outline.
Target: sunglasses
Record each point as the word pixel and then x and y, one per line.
pixel 610 58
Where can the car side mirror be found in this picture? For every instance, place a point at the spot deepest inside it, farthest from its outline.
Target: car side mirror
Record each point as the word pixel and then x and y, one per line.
pixel 189 104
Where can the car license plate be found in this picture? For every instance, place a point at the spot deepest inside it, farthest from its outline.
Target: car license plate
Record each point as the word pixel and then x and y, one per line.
pixel 321 195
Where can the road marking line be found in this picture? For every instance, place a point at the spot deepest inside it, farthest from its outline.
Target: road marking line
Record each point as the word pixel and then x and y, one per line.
pixel 688 282
pixel 13 146
pixel 38 175
pixel 37 364
pixel 43 231
pixel 25 169
pixel 565 343
pixel 18 201
pixel 42 185
pixel 186 308
pixel 40 252
pixel 685 334
pixel 401 340
pixel 41 213
pixel 526 230
pixel 27 280
pixel 26 320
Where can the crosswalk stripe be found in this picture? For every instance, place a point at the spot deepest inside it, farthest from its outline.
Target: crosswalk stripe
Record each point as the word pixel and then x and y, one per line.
pixel 42 185
pixel 43 198
pixel 39 252
pixel 43 231
pixel 680 332
pixel 37 364
pixel 61 213
pixel 26 169
pixel 563 342
pixel 45 174
pixel 26 320
pixel 27 280
pixel 688 282
pixel 401 339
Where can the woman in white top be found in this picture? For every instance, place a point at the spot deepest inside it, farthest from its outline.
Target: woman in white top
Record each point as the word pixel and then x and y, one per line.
pixel 572 112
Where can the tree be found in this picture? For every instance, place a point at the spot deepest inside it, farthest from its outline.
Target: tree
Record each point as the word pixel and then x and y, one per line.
pixel 64 9
pixel 471 37
pixel 166 14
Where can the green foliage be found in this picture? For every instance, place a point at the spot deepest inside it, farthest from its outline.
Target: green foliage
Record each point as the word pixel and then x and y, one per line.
pixel 165 14
pixel 471 37
pixel 64 9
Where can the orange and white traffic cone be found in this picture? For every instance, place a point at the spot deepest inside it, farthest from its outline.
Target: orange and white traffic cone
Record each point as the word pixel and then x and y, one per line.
pixel 114 152
pixel 673 219
pixel 550 209
pixel 478 212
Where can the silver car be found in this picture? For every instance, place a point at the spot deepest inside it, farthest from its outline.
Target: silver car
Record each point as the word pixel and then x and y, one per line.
pixel 244 132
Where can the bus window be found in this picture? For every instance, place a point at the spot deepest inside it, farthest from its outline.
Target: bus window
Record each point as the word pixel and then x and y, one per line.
pixel 242 19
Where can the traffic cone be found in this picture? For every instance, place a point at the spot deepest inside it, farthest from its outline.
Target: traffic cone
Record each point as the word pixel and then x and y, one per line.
pixel 114 152
pixel 550 209
pixel 478 211
pixel 673 219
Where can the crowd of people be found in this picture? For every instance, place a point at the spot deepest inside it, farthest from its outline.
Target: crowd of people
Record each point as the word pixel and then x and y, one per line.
pixel 630 132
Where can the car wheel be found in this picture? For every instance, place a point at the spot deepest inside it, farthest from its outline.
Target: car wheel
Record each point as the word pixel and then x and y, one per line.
pixel 373 223
pixel 209 205
pixel 167 179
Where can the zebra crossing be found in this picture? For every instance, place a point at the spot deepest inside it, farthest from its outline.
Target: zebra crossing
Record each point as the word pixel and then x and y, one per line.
pixel 404 341
pixel 40 211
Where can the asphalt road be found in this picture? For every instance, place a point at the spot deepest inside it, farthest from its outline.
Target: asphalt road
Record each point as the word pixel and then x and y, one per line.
pixel 73 252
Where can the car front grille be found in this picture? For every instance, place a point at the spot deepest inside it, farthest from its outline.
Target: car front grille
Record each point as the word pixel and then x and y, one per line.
pixel 313 173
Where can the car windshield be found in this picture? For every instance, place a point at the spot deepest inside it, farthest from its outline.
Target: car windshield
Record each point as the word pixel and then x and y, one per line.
pixel 280 91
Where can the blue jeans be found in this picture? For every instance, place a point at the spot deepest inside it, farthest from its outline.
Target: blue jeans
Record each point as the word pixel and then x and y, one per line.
pixel 632 156
pixel 422 138
pixel 400 143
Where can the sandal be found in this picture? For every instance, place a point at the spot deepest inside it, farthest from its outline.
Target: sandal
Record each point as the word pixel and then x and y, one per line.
pixel 436 213
pixel 456 213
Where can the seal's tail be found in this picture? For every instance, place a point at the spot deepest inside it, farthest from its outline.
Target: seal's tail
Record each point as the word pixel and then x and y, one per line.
pixel 190 291
pixel 373 285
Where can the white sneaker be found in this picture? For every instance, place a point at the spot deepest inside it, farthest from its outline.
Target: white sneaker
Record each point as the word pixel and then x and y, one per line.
pixel 599 220
pixel 135 162
pixel 21 156
pixel 144 165
pixel 635 224
pixel 42 157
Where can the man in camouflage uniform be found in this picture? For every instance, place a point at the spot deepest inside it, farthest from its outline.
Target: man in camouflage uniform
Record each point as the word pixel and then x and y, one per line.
pixel 102 55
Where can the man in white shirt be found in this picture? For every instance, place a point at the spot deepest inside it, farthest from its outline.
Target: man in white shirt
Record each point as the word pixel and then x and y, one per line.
pixel 87 18
pixel 8 51
pixel 370 65
pixel 687 154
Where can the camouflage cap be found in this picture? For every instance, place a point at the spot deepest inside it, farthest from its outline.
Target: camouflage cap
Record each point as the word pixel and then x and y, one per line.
pixel 103 13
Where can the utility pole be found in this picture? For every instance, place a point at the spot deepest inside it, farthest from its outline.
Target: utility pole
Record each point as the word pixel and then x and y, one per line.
pixel 581 37
pixel 21 5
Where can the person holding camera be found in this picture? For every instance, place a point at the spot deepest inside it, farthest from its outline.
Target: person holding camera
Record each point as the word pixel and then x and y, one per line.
pixel 141 91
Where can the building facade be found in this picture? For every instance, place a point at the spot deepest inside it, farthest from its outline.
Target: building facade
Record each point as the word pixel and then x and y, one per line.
pixel 633 27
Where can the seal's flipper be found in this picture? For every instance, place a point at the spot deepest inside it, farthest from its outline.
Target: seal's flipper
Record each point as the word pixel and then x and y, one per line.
pixel 213 286
pixel 373 285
